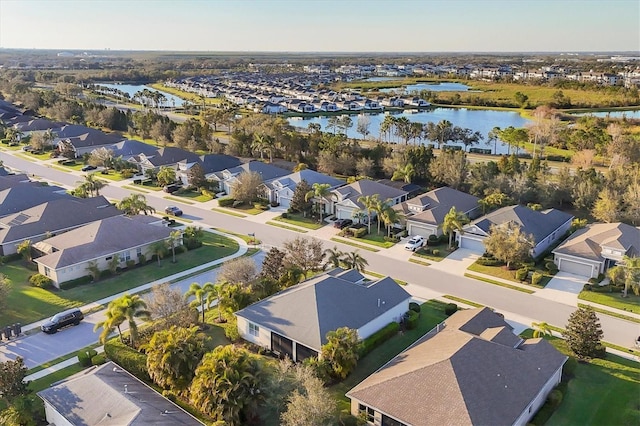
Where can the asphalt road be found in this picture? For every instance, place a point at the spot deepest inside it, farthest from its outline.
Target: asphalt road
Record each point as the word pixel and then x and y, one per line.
pixel 616 330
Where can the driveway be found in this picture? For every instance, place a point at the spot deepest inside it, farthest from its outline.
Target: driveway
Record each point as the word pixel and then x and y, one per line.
pixel 457 262
pixel 563 288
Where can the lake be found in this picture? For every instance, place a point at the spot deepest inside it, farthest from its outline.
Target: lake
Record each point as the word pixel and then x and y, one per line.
pixel 132 89
pixel 481 120
pixel 431 87
pixel 614 114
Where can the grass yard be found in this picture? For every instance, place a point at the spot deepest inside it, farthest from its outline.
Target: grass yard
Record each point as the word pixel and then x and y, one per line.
pixel 602 392
pixel 631 303
pixel 227 211
pixel 27 304
pixel 499 283
pixel 48 380
pixel 287 227
pixel 377 239
pixel 193 195
pixel 501 272
pixel 442 250
pixel 178 200
pixel 353 244
pixel 432 313
pixel 298 219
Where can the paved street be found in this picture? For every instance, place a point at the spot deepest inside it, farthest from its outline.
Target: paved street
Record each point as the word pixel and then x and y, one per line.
pixel 441 281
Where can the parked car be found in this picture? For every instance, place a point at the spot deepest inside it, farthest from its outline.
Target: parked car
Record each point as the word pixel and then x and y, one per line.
pixel 342 223
pixel 171 188
pixel 62 319
pixel 173 210
pixel 414 243
pixel 88 167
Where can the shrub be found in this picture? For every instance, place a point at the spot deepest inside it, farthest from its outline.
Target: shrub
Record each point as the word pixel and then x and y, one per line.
pixel 450 309
pixel 76 282
pixel 131 263
pixel 226 202
pixel 377 338
pixel 391 239
pixel 601 352
pixel 426 250
pixel 85 356
pixel 487 261
pixel 587 287
pixel 521 274
pixel 40 281
pixel 433 240
pixel 142 259
pixel 551 267
pixel 536 278
pixel 436 252
pixel 128 358
pixel 98 359
pixel 555 398
pixel 285 215
pixel 360 232
pixel 412 319
pixel 414 307
pixel 237 203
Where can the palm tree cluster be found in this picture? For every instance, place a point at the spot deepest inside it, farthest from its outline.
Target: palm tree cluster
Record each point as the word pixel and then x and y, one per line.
pixel 352 260
pixel 90 187
pixel 148 98
pixel 382 208
pixel 319 193
pixel 439 133
pixel 126 308
pixel 135 204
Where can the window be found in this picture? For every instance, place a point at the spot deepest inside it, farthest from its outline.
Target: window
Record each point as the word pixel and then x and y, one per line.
pixel 368 411
pixel 254 330
pixel 47 271
pixel 139 252
pixel 125 256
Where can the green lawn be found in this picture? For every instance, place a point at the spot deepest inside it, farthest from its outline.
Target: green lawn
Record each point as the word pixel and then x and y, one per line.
pixel 631 303
pixel 502 272
pixel 27 304
pixel 283 226
pixel 377 239
pixel 193 195
pixel 351 242
pixel 443 250
pixel 501 284
pixel 299 220
pixel 48 380
pixel 247 208
pixel 602 392
pixel 178 199
pixel 432 313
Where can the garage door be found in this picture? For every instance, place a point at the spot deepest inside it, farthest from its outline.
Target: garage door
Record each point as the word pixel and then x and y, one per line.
pixel 284 202
pixel 471 244
pixel 575 268
pixel 343 213
pixel 420 230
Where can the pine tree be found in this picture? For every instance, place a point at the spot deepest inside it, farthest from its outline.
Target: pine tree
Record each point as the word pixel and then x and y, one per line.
pixel 299 202
pixel 583 333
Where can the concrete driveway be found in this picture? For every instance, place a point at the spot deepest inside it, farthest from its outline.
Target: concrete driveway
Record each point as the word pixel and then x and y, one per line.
pixel 563 288
pixel 457 262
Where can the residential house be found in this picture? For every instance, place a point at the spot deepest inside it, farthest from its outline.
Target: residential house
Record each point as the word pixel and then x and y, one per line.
pixel 110 395
pixel 280 190
pixel 597 247
pixel 82 140
pixel 546 227
pixel 210 163
pixel 163 157
pixel 412 189
pixel 227 177
pixel 295 321
pixel 472 371
pixel 424 214
pixel 51 218
pixel 127 149
pixel 37 125
pixel 345 199
pixel 273 108
pixel 68 256
pixel 17 193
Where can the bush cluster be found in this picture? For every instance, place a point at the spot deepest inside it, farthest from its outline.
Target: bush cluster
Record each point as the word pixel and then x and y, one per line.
pixel 488 261
pixel 76 282
pixel 85 357
pixel 226 202
pixel 359 232
pixel 377 338
pixel 521 274
pixel 411 319
pixel 450 309
pixel 40 281
pixel 127 357
pixel 414 307
pixel 551 267
pixel 536 278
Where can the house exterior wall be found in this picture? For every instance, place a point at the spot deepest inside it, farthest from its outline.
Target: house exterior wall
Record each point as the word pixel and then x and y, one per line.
pixel 264 335
pixel 417 228
pixel 539 400
pixel 550 239
pixel 393 314
pixel 55 418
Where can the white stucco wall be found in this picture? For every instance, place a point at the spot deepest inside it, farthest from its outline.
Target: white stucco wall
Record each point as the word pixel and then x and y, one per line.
pixel 393 314
pixel 264 335
pixel 55 418
pixel 539 400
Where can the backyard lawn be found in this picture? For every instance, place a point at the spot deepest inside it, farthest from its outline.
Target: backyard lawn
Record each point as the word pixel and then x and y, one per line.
pixel 27 304
pixel 630 303
pixel 301 221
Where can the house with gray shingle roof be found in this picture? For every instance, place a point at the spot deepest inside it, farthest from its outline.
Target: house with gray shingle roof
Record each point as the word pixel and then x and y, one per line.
pixel 424 214
pixel 345 202
pixel 546 227
pixel 67 256
pixel 597 247
pixel 51 218
pixel 295 321
pixel 210 163
pixel 472 371
pixel 130 148
pixel 82 140
pixel 163 157
pixel 280 190
pixel 110 395
pixel 227 177
pixel 18 193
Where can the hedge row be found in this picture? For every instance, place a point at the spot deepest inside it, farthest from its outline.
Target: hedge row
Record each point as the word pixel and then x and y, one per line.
pixel 377 338
pixel 128 358
pixel 226 202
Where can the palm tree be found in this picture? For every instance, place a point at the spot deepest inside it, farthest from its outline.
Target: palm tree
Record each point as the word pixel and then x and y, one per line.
pixel 114 319
pixel 631 266
pixel 369 202
pixel 131 307
pixel 453 221
pixel 380 207
pixel 174 239
pixel 541 329
pixel 358 215
pixel 354 260
pixel 201 295
pixel 333 257
pixel 158 249
pixel 319 192
pixel 386 127
pixel 166 176
pixel 259 143
pixel 405 173
pixel 135 204
pixel 91 185
pixel 48 137
pixel 390 217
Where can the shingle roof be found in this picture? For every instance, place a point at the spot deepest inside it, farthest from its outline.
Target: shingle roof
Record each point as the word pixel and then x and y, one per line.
pixel 216 162
pixel 461 378
pixel 437 204
pixel 310 176
pixel 266 171
pixel 362 187
pixel 17 195
pixel 540 224
pixel 307 311
pixel 109 395
pixel 38 124
pixel 129 148
pixel 171 155
pixel 588 242
pixel 54 216
pixel 101 238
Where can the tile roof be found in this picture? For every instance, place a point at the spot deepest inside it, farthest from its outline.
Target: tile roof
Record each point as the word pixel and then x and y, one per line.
pixel 589 241
pixel 460 377
pixel 540 224
pixel 109 395
pixel 100 238
pixel 307 311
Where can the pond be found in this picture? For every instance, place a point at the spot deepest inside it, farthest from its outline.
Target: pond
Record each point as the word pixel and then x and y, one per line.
pixel 614 114
pixel 475 119
pixel 132 89
pixel 431 87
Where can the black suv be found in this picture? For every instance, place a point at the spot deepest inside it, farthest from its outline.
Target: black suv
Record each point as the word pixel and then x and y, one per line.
pixel 342 223
pixel 63 319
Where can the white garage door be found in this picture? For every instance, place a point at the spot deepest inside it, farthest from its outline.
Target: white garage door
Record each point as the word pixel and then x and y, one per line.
pixel 343 213
pixel 284 202
pixel 575 268
pixel 471 244
pixel 420 230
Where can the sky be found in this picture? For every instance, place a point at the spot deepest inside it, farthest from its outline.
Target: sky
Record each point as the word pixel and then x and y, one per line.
pixel 323 25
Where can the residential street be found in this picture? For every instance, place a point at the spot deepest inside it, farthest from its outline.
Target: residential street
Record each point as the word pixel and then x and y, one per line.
pixel 40 347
